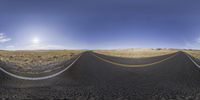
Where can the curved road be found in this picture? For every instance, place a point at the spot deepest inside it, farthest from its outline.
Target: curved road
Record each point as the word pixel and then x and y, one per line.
pixel 39 78
pixel 91 78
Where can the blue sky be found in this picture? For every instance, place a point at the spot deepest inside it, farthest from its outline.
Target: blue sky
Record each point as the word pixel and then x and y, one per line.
pixel 99 24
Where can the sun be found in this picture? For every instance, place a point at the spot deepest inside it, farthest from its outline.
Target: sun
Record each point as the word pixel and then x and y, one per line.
pixel 35 40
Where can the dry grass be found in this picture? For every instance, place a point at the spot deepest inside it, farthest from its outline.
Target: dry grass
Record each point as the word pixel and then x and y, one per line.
pixel 136 53
pixel 29 59
pixel 194 53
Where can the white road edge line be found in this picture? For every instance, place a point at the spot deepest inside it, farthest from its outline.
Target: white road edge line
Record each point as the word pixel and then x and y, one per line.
pixel 192 60
pixel 40 78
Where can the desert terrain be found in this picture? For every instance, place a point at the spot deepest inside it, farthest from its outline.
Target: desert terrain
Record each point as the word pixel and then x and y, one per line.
pixel 35 61
pixel 96 75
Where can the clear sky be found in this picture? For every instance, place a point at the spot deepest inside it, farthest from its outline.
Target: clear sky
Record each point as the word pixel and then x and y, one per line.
pixel 99 24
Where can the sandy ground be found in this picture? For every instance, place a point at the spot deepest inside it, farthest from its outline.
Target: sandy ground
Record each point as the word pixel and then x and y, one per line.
pixel 93 79
pixel 35 62
pixel 136 53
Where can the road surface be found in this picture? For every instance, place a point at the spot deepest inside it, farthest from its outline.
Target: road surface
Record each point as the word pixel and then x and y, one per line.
pixel 92 77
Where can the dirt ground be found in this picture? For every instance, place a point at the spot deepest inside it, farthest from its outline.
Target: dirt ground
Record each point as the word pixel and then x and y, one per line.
pixel 93 79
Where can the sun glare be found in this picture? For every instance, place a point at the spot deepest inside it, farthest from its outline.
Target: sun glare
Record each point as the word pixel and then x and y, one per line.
pixel 35 40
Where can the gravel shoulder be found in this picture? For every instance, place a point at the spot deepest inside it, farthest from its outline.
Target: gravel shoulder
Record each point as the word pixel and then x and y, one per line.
pixel 93 79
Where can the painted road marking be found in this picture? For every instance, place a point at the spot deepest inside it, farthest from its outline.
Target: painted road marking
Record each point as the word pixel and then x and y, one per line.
pixel 192 60
pixel 39 78
pixel 127 65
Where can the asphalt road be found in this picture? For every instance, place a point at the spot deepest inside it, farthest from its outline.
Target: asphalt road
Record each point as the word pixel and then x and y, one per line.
pixel 91 78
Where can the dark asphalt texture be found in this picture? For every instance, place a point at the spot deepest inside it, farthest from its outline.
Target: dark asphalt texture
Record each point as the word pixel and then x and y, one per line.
pixel 93 79
pixel 135 61
pixel 40 71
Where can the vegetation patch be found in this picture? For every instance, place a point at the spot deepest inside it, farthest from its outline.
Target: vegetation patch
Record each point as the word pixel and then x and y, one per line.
pixel 194 53
pixel 28 60
pixel 137 53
